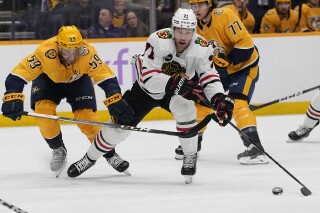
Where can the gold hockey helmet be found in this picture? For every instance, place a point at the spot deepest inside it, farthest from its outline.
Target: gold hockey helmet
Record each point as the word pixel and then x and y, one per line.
pixel 283 1
pixel 69 37
pixel 199 1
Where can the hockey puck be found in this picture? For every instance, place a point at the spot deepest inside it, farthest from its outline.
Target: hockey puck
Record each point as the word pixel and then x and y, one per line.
pixel 277 190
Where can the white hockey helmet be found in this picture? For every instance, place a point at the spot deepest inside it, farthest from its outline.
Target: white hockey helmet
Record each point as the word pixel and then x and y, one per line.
pixel 184 18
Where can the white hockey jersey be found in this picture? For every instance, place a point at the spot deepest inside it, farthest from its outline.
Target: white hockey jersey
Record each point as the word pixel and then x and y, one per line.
pixel 161 60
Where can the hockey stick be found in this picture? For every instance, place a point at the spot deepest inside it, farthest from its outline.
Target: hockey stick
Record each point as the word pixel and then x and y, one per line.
pixel 256 107
pixel 304 190
pixel 185 134
pixel 12 207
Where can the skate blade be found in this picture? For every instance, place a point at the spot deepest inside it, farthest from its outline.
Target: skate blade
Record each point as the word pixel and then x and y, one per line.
pixel 178 157
pixel 58 172
pixel 126 172
pixel 294 141
pixel 256 161
pixel 188 179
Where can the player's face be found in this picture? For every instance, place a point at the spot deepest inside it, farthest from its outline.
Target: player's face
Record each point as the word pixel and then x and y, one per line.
pixel 283 7
pixel 69 55
pixel 182 38
pixel 241 5
pixel 200 9
pixel 314 2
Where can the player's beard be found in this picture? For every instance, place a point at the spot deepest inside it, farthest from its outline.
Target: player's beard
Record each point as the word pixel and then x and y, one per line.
pixel 181 46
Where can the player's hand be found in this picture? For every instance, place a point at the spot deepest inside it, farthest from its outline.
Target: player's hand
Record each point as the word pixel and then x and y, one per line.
pixel 224 105
pixel 12 105
pixel 119 109
pixel 180 85
pixel 221 60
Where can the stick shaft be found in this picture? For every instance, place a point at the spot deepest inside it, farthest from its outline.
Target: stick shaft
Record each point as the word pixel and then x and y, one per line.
pixel 256 107
pixel 188 133
pixel 11 206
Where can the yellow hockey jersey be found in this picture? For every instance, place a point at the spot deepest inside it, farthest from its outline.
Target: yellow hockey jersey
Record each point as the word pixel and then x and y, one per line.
pixel 247 18
pixel 226 31
pixel 272 23
pixel 310 18
pixel 118 21
pixel 46 60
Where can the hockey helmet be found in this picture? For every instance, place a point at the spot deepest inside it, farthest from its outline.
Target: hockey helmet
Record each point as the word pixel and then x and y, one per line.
pixel 283 1
pixel 199 1
pixel 184 18
pixel 69 37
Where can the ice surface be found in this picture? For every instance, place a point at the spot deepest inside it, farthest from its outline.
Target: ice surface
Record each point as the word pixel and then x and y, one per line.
pixel 221 184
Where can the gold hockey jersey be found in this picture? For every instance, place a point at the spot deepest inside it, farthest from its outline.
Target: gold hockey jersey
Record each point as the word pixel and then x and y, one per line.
pixel 272 23
pixel 310 18
pixel 247 18
pixel 226 31
pixel 46 60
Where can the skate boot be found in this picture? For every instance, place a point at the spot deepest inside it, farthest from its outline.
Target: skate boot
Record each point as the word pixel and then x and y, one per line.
pixel 59 160
pixel 252 156
pixel 299 134
pixel 119 164
pixel 80 166
pixel 180 154
pixel 189 167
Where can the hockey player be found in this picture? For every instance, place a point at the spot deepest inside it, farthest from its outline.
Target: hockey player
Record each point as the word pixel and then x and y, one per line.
pixel 311 120
pixel 281 19
pixel 236 59
pixel 310 17
pixel 172 57
pixel 240 8
pixel 60 68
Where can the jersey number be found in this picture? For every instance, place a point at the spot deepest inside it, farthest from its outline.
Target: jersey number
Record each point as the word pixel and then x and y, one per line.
pixel 95 62
pixel 151 55
pixel 234 26
pixel 33 63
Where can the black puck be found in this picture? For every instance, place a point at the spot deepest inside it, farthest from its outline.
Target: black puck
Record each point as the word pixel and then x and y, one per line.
pixel 277 190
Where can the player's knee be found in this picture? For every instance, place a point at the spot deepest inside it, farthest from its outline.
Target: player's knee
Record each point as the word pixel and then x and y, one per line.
pixel 202 112
pixel 114 136
pixel 243 115
pixel 46 107
pixel 182 109
pixel 48 128
pixel 89 130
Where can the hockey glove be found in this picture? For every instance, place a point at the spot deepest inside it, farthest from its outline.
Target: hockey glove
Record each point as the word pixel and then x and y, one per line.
pixel 221 60
pixel 12 105
pixel 224 105
pixel 120 110
pixel 179 85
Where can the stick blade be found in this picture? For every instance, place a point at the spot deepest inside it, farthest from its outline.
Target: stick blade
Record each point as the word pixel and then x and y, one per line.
pixel 305 191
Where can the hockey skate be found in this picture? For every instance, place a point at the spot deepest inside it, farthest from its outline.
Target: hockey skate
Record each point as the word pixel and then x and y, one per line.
pixel 252 156
pixel 80 166
pixel 58 161
pixel 299 134
pixel 180 154
pixel 119 164
pixel 189 167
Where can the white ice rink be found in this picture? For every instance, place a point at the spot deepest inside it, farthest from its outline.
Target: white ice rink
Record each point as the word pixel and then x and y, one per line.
pixel 221 184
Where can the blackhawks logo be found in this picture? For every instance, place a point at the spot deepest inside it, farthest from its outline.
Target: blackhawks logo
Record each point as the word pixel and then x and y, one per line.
pixel 202 42
pixel 172 68
pixel 165 34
